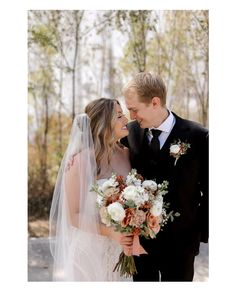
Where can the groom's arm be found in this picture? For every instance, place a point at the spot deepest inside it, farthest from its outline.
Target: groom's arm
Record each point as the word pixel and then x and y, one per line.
pixel 204 184
pixel 135 137
pixel 125 141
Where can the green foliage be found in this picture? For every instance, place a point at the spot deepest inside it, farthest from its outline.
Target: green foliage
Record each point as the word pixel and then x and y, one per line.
pixel 44 36
pixel 40 182
pixel 130 204
pixel 136 23
pixel 171 43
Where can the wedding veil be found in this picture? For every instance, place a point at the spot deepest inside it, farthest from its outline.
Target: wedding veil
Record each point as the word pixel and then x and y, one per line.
pixel 75 240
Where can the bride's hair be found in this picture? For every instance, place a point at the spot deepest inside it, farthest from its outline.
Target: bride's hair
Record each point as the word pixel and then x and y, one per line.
pixel 102 114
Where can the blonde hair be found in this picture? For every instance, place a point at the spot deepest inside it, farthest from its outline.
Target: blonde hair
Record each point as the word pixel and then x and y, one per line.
pixel 147 86
pixel 102 114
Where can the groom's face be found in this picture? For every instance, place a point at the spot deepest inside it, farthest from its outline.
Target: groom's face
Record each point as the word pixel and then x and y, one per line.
pixel 139 111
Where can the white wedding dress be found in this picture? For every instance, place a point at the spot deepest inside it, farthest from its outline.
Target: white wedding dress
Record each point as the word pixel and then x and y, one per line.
pixel 89 269
pixel 80 252
pixel 84 261
pixel 110 252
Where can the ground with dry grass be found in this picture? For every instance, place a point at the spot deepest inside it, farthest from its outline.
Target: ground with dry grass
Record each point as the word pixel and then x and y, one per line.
pixel 38 228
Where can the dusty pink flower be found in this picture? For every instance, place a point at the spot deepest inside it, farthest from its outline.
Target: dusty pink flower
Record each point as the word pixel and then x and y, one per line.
pixel 111 191
pixel 138 218
pixel 129 213
pixel 153 222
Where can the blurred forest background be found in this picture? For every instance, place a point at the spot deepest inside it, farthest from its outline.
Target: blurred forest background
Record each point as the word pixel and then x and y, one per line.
pixel 76 56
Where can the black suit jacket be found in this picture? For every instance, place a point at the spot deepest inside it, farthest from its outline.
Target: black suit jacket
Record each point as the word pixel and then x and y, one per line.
pixel 188 180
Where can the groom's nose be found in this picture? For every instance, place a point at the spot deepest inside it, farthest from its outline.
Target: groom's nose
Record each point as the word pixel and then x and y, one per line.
pixel 132 115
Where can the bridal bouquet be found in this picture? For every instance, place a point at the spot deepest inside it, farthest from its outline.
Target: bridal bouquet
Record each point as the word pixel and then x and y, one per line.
pixel 133 205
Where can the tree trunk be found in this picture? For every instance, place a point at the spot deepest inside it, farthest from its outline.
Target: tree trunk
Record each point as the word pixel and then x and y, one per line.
pixel 78 15
pixel 59 113
pixel 45 140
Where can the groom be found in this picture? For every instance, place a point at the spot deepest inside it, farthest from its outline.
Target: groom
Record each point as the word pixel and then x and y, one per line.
pixel 156 138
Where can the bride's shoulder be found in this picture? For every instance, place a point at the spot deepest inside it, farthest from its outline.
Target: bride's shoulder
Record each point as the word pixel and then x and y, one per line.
pixel 82 157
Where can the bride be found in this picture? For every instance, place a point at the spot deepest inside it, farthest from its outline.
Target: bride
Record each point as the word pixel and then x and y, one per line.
pixel 83 248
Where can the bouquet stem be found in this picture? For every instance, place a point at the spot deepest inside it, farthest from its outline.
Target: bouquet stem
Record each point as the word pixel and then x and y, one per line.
pixel 126 266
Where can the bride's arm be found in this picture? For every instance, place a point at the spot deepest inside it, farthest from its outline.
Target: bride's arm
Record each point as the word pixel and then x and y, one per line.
pixel 72 190
pixel 73 184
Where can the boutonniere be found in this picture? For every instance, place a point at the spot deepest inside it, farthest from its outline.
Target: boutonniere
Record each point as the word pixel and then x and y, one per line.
pixel 178 149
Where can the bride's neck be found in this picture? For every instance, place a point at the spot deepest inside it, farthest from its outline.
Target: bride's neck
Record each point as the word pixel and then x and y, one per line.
pixel 106 168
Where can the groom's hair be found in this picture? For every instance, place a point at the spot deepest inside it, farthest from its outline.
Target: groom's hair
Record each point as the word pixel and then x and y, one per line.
pixel 147 86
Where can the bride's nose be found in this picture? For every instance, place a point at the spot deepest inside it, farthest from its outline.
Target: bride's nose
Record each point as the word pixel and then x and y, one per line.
pixel 125 120
pixel 132 115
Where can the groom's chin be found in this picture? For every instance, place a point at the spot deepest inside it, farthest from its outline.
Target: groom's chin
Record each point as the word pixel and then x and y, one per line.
pixel 142 125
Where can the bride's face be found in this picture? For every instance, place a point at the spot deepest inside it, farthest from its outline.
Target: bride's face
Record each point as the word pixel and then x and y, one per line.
pixel 120 126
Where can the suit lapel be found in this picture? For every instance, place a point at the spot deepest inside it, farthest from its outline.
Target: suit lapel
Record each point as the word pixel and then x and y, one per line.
pixel 177 131
pixel 136 137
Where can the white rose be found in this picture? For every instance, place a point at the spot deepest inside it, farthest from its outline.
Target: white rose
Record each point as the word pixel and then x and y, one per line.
pixel 129 179
pixel 116 211
pixel 143 195
pixel 109 183
pixel 130 193
pixel 174 149
pixel 156 209
pixel 104 216
pixel 141 199
pixel 132 180
pixel 111 191
pixel 149 184
pixel 159 199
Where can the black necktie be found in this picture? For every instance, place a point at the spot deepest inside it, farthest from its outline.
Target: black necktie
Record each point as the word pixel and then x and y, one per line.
pixel 155 143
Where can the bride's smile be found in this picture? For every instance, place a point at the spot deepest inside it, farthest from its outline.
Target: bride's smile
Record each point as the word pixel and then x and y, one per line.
pixel 120 124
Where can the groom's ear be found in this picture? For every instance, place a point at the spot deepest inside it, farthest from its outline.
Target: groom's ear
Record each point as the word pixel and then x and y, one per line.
pixel 156 102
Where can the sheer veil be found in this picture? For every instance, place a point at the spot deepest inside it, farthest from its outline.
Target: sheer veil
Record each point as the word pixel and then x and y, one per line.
pixel 75 240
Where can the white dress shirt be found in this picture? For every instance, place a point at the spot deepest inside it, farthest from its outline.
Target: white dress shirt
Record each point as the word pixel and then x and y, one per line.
pixel 165 128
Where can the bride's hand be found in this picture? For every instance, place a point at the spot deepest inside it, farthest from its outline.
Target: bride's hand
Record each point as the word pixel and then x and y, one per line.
pixel 126 242
pixel 124 239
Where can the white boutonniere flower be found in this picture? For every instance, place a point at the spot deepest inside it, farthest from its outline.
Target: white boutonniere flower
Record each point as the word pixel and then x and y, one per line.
pixel 178 149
